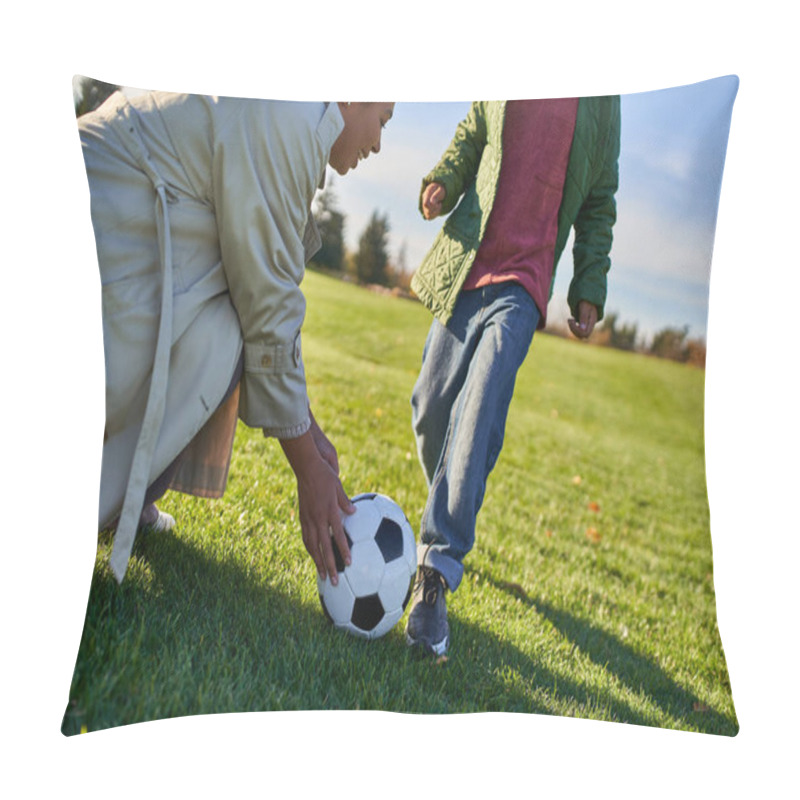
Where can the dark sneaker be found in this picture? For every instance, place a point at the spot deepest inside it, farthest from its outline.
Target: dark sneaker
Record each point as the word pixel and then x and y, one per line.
pixel 427 621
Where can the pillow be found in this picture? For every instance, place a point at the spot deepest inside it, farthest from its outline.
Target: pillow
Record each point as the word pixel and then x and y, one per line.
pixel 589 592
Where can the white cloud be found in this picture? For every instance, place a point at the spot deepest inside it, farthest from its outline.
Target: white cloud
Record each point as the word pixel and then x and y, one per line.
pixel 654 244
pixel 671 163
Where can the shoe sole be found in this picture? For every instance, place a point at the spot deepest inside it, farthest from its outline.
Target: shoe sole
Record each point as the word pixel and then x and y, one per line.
pixel 435 649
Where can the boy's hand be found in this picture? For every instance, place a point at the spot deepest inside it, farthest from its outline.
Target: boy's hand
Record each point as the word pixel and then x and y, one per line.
pixel 432 198
pixel 322 500
pixel 587 319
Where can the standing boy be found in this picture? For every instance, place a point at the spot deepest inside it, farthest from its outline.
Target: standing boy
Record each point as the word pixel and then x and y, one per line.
pixel 529 172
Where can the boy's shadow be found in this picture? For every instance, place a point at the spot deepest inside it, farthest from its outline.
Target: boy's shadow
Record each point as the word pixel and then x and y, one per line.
pixel 640 674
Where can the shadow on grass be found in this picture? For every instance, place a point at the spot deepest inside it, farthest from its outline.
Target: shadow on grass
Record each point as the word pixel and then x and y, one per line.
pixel 631 669
pixel 193 634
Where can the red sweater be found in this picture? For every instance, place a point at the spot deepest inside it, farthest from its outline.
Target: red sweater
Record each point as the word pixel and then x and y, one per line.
pixel 520 237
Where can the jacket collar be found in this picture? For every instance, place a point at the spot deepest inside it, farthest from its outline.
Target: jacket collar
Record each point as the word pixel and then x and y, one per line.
pixel 328 130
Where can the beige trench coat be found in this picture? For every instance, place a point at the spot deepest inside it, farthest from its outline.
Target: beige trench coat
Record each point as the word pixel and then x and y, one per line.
pixel 201 212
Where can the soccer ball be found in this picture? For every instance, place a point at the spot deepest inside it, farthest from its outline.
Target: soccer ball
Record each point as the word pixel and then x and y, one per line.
pixel 374 589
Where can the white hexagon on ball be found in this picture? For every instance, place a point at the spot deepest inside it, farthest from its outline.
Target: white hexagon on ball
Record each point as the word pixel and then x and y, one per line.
pixel 361 525
pixel 366 569
pixel 395 589
pixel 337 601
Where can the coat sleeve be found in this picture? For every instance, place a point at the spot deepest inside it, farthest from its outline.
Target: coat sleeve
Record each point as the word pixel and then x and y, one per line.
pixel 459 163
pixel 267 163
pixel 594 223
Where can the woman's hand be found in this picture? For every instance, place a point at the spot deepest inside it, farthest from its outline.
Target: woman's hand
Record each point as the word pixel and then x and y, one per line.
pixel 432 198
pixel 322 500
pixel 323 444
pixel 587 319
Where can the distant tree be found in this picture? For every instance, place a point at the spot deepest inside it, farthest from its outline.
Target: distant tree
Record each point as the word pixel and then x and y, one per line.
pixel 696 353
pixel 620 337
pixel 372 256
pixel 92 94
pixel 670 343
pixel 397 275
pixel 330 222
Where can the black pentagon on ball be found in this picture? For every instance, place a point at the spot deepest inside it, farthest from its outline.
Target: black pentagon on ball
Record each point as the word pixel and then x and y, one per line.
pixel 389 538
pixel 337 556
pixel 367 612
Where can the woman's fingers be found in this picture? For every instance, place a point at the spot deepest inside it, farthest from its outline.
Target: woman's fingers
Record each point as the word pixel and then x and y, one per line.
pixel 320 535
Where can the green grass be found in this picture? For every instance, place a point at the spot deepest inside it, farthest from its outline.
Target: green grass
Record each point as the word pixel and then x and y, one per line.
pixel 589 592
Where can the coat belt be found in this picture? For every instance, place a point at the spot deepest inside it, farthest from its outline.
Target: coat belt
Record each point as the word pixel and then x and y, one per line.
pixel 139 477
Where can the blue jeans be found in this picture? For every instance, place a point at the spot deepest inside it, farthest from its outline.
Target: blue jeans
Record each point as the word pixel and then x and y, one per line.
pixel 459 408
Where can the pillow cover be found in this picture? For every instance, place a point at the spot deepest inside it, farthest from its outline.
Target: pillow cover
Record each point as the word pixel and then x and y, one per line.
pixel 589 592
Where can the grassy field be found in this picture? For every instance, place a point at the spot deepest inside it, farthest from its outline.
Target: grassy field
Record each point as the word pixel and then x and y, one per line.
pixel 589 593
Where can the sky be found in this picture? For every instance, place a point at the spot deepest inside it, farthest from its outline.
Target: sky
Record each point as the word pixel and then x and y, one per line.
pixel 671 161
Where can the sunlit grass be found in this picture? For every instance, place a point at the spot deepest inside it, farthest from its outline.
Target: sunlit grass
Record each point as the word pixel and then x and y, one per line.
pixel 589 593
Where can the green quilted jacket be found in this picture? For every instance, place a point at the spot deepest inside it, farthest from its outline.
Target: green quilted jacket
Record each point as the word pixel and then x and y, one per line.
pixel 471 166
